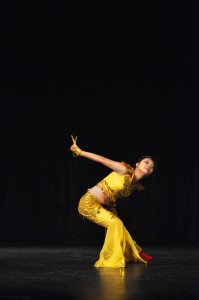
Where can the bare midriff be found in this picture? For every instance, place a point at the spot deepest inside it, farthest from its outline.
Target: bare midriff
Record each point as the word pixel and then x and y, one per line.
pixel 99 195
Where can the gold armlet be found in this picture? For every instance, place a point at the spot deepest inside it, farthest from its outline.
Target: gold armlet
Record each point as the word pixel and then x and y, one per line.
pixel 77 152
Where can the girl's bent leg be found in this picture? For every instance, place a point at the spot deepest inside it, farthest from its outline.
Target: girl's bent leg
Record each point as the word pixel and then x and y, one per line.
pixel 119 247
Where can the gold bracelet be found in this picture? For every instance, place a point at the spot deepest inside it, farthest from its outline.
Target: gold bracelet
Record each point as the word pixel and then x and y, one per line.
pixel 77 152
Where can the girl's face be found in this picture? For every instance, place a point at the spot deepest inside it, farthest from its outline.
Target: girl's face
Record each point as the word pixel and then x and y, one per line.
pixel 146 166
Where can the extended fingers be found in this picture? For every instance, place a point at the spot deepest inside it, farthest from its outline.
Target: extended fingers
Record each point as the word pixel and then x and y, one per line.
pixel 74 139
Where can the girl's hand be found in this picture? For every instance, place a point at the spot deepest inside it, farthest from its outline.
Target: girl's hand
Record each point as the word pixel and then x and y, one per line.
pixel 74 145
pixel 74 148
pixel 74 139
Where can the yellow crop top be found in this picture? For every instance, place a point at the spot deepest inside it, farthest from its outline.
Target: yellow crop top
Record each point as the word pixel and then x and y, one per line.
pixel 118 186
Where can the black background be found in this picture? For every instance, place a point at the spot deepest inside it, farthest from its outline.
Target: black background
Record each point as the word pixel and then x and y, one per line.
pixel 123 78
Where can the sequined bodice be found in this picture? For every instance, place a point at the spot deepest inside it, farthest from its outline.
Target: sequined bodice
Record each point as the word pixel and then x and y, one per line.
pixel 117 186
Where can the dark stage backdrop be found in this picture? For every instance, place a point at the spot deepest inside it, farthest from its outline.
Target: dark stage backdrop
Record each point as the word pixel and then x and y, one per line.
pixel 123 80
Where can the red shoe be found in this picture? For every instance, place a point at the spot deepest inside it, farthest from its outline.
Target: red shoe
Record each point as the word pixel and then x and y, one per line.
pixel 145 256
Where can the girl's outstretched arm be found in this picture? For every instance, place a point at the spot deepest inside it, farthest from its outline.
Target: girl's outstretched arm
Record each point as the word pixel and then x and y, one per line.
pixel 114 165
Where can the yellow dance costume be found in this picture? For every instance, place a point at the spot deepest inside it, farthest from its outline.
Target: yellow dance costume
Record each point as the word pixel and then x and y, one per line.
pixel 119 247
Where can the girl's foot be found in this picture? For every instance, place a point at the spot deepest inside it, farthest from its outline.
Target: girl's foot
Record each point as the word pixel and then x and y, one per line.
pixel 145 256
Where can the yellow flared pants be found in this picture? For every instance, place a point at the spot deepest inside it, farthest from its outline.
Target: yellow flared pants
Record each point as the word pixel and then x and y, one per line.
pixel 119 247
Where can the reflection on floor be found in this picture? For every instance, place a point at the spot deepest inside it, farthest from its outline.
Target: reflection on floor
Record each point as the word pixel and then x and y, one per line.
pixel 40 272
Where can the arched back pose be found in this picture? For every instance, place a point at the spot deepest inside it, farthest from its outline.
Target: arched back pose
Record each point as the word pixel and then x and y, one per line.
pixel 97 205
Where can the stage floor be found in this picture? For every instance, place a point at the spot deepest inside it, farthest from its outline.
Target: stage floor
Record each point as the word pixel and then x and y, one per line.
pixel 66 272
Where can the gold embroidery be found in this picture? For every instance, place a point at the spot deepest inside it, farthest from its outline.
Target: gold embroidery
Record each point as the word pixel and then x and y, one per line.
pixel 88 206
pixel 106 254
pixel 110 206
pixel 125 190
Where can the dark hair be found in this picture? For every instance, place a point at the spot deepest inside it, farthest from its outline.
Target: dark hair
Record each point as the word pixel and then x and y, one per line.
pixel 148 156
